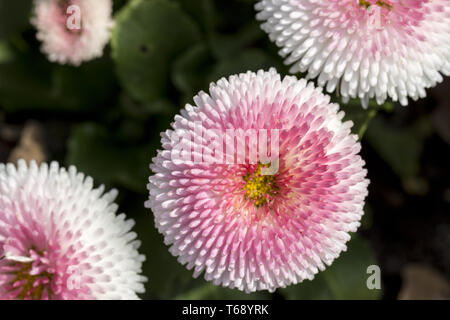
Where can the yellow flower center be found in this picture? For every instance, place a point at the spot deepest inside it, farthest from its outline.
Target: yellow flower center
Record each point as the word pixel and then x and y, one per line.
pixel 30 288
pixel 259 188
pixel 380 3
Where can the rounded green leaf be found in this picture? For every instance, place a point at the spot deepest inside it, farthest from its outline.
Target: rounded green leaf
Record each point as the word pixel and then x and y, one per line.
pixel 345 279
pixel 147 38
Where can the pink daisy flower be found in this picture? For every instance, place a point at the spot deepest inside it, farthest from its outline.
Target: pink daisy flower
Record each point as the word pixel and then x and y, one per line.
pixel 363 48
pixel 73 31
pixel 61 239
pixel 247 222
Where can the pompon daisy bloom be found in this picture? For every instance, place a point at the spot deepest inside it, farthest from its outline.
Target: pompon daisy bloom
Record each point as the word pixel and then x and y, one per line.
pixel 363 48
pixel 258 220
pixel 60 238
pixel 73 31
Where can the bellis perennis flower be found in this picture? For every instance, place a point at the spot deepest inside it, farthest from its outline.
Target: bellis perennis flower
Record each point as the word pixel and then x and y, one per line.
pixel 258 221
pixel 61 239
pixel 363 48
pixel 73 31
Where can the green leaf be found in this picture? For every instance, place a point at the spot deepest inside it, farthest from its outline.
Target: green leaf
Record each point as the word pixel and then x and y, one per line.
pixel 6 54
pixel 26 85
pixel 345 279
pixel 367 218
pixel 147 38
pixel 360 117
pixel 94 151
pixel 141 111
pixel 227 46
pixel 202 11
pixel 167 277
pixel 84 87
pixel 190 70
pixel 14 16
pixel 401 148
pixel 249 60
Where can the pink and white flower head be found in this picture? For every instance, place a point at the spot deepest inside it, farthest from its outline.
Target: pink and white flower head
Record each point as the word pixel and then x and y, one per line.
pixel 60 238
pixel 363 48
pixel 243 227
pixel 73 31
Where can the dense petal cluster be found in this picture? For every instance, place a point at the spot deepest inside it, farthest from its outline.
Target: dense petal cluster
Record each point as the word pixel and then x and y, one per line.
pixel 244 228
pixel 60 238
pixel 73 31
pixel 363 48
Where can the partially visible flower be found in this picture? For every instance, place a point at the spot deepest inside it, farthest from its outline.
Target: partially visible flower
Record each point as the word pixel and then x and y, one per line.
pixel 73 31
pixel 363 48
pixel 243 227
pixel 61 239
